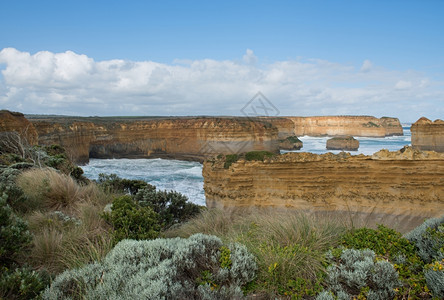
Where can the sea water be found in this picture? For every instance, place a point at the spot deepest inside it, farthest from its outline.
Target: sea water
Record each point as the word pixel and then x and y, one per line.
pixel 186 177
pixel 367 145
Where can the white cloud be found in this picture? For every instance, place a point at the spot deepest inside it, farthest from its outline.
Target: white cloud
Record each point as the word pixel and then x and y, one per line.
pixel 366 66
pixel 249 57
pixel 403 85
pixel 70 83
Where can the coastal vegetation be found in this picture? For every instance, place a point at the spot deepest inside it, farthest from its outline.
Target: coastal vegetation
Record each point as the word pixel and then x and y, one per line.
pixel 249 156
pixel 65 237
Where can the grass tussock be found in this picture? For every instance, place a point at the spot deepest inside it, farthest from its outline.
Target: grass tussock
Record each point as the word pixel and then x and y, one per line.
pixel 64 241
pixel 52 190
pixel 69 231
pixel 287 244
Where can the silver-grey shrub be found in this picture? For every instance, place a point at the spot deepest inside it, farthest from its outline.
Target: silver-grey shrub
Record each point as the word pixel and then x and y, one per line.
pixel 159 269
pixel 429 239
pixel 357 272
pixel 434 275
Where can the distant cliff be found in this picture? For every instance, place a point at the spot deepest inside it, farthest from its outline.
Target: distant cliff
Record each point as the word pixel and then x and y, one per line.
pixel 404 183
pixel 428 135
pixel 15 122
pixel 177 138
pixel 346 125
pixel 187 138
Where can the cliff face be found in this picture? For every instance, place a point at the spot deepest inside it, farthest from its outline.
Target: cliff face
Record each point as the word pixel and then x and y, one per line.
pixel 404 183
pixel 189 138
pixel 346 125
pixel 343 143
pixel 284 125
pixel 178 138
pixel 16 122
pixel 290 143
pixel 428 135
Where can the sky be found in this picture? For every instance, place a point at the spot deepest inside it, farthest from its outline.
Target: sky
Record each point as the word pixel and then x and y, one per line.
pixel 175 58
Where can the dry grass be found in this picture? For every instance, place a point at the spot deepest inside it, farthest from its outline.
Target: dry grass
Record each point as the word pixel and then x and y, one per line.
pixel 52 190
pixel 62 241
pixel 69 231
pixel 287 244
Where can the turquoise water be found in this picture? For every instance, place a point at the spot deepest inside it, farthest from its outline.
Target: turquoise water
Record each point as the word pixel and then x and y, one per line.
pixel 186 177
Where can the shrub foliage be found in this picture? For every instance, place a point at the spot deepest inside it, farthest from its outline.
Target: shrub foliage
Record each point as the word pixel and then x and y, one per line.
pixel 160 269
pixel 358 273
pixel 172 207
pixel 390 245
pixel 115 184
pixel 131 221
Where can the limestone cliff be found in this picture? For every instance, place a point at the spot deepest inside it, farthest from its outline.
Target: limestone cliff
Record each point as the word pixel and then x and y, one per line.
pixel 347 143
pixel 149 137
pixel 428 135
pixel 290 143
pixel 284 125
pixel 346 125
pixel 404 183
pixel 15 122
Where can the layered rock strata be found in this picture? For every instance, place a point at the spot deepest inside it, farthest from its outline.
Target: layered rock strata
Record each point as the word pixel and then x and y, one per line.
pixel 176 138
pixel 347 143
pixel 15 123
pixel 406 183
pixel 428 135
pixel 290 143
pixel 364 126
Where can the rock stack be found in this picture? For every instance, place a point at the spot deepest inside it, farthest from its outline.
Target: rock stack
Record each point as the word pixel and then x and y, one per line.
pixel 347 143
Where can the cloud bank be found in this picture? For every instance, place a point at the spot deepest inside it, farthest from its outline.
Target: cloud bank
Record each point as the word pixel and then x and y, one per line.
pixel 74 84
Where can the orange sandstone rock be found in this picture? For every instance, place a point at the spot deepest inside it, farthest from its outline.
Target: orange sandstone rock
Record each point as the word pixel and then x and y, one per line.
pixel 428 135
pixel 404 183
pixel 347 143
pixel 346 125
pixel 187 138
pixel 16 122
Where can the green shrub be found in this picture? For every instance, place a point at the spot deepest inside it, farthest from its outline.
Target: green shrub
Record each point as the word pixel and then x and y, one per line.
pixel 172 207
pixel 293 139
pixel 383 241
pixel 22 283
pixel 159 269
pixel 358 273
pixel 115 184
pixel 258 155
pixel 7 159
pixel 289 246
pixel 434 274
pixel 229 159
pixel 429 239
pixel 14 234
pixel 14 194
pixel 390 244
pixel 131 221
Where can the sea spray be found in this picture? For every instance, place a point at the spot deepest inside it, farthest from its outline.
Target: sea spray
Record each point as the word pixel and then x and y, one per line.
pixel 182 176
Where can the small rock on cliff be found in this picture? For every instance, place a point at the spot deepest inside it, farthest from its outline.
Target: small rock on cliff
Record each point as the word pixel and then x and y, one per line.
pixel 348 143
pixel 290 143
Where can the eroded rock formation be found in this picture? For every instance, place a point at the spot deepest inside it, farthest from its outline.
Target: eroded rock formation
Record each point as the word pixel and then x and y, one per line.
pixel 290 143
pixel 428 135
pixel 346 125
pixel 346 143
pixel 177 138
pixel 15 123
pixel 403 183
pixel 188 138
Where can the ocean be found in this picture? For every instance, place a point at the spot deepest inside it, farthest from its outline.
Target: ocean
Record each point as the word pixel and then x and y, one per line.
pixel 186 177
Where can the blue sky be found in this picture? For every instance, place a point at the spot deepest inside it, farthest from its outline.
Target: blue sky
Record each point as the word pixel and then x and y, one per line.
pixel 210 57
